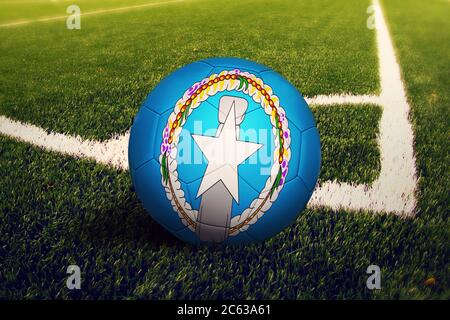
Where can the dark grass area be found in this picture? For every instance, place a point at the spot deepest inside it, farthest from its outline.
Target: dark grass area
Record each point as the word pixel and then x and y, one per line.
pixel 91 82
pixel 348 137
pixel 69 211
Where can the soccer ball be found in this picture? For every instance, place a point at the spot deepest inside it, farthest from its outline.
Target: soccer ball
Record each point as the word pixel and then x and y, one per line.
pixel 224 150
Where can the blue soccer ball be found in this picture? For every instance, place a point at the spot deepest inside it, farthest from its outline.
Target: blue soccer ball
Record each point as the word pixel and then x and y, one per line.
pixel 224 150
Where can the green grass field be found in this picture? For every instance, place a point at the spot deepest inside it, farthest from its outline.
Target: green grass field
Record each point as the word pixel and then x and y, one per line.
pixel 56 210
pixel 75 82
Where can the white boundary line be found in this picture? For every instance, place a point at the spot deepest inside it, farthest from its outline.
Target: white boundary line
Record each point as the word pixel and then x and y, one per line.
pixel 342 99
pixel 394 190
pixel 113 152
pixel 88 13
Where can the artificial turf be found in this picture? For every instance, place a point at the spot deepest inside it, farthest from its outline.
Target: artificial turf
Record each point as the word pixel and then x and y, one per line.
pixel 348 137
pixel 23 10
pixel 69 211
pixel 56 210
pixel 76 81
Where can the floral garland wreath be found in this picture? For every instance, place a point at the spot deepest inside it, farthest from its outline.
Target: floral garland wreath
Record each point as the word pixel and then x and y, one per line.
pixel 192 98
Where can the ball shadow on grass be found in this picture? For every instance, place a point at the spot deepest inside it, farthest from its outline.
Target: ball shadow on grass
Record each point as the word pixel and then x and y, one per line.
pixel 126 222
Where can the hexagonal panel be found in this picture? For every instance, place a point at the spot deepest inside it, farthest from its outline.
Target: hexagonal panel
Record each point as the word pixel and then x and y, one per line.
pixel 309 167
pixel 164 96
pixel 142 138
pixel 283 211
pixel 147 181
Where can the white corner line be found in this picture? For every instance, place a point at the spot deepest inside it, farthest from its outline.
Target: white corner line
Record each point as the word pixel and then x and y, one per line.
pixel 88 13
pixel 394 190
